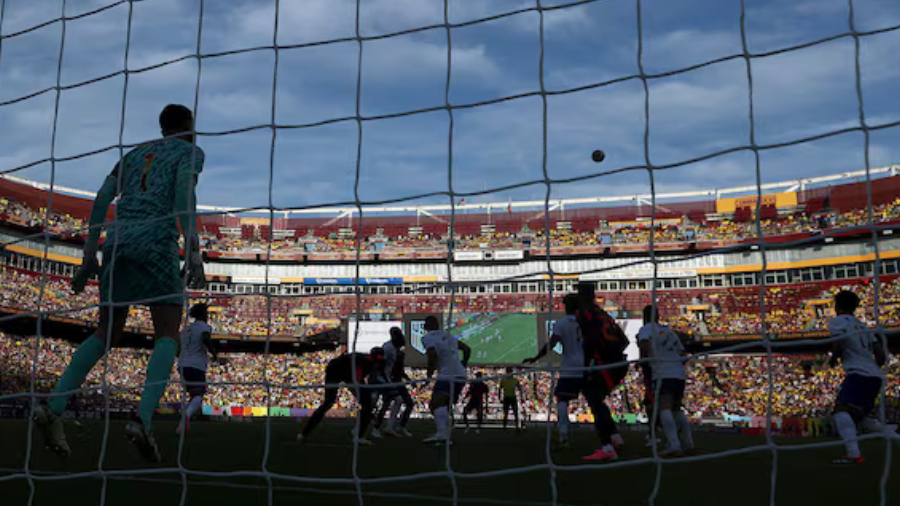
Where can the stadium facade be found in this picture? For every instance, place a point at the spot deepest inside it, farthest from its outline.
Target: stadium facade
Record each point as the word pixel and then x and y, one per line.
pixel 815 234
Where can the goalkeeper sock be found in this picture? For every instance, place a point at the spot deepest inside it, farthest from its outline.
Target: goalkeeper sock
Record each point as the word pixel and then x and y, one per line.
pixel 847 430
pixel 194 406
pixel 562 414
pixel 684 430
pixel 90 351
pixel 671 429
pixel 442 421
pixel 158 370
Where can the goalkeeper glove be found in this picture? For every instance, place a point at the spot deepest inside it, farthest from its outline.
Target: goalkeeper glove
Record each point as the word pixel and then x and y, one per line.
pixel 193 267
pixel 89 267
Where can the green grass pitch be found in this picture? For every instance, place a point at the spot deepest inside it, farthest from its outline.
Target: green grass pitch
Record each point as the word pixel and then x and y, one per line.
pixel 804 477
pixel 519 338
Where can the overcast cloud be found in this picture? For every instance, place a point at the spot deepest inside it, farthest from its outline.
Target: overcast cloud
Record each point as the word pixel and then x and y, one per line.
pixel 797 94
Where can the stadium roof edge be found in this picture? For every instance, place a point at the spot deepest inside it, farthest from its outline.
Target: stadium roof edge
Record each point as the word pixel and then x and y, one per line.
pixel 788 185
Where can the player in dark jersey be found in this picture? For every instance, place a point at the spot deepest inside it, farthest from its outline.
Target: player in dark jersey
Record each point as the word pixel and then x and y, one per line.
pixel 477 395
pixel 348 369
pixel 396 397
pixel 511 389
pixel 604 343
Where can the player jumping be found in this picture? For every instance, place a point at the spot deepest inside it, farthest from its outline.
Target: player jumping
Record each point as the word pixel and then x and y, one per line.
pixel 443 355
pixel 396 397
pixel 155 186
pixel 477 395
pixel 196 345
pixel 862 355
pixel 571 376
pixel 604 343
pixel 663 346
pixel 341 370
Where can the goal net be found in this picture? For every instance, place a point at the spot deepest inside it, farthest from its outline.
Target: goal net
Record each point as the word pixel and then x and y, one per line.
pixel 366 164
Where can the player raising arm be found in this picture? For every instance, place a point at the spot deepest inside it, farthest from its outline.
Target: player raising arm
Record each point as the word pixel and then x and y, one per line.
pixel 571 376
pixel 604 343
pixel 196 345
pixel 862 355
pixel 155 187
pixel 663 346
pixel 443 356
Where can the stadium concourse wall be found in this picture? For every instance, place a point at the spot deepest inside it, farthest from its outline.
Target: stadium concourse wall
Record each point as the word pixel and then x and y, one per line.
pixel 851 247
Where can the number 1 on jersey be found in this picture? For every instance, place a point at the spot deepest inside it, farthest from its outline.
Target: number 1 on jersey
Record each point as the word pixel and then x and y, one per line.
pixel 148 163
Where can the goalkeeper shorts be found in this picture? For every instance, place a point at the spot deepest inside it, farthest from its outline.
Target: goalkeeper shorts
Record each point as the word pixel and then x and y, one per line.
pixel 136 276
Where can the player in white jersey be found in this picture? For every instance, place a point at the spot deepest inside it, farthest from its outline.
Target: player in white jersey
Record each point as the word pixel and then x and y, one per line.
pixel 862 355
pixel 396 397
pixel 664 349
pixel 196 346
pixel 571 376
pixel 443 356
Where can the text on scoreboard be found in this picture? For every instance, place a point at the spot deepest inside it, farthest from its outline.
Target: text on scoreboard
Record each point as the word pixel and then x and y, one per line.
pixel 352 281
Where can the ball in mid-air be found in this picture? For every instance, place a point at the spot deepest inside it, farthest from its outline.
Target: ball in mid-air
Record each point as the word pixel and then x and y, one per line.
pixel 598 156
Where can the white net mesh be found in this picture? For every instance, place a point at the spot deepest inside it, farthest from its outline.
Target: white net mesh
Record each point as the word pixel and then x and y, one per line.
pixel 367 488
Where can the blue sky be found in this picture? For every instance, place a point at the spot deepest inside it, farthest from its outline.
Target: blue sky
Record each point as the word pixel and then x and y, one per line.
pixel 797 95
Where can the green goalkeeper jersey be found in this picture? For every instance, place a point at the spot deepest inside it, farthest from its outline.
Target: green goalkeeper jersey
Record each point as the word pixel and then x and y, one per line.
pixel 149 178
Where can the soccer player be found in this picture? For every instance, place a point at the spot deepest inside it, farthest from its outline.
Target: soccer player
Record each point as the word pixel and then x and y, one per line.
pixel 477 395
pixel 394 365
pixel 196 346
pixel 510 386
pixel 604 343
pixel 862 355
pixel 571 376
pixel 663 346
pixel 345 369
pixel 443 356
pixel 154 184
pixel 647 379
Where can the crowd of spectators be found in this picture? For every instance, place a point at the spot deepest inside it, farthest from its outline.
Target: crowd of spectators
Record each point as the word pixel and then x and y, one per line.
pixel 613 233
pixel 60 223
pixel 622 233
pixel 734 385
pixel 730 311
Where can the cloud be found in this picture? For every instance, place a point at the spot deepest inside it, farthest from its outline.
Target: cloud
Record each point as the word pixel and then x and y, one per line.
pixel 692 114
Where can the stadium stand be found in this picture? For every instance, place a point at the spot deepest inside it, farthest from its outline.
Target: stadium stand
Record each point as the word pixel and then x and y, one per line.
pixel 804 387
pixel 577 231
pixel 733 310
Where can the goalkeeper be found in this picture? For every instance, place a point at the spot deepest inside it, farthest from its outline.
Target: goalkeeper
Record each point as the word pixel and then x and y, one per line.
pixel 155 186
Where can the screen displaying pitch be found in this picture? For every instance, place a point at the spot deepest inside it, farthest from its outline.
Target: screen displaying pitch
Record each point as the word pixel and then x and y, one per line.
pixel 497 338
